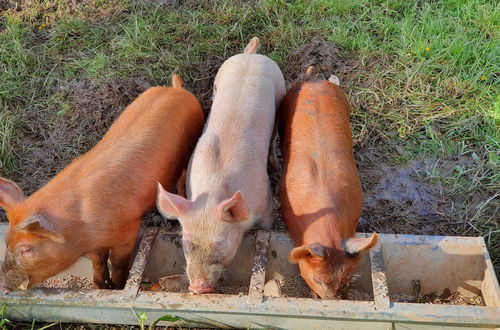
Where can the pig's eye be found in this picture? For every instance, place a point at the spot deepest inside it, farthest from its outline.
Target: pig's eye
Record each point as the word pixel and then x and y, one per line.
pixel 26 251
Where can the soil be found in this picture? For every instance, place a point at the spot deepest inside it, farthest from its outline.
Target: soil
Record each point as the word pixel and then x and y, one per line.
pixel 398 199
pixel 323 55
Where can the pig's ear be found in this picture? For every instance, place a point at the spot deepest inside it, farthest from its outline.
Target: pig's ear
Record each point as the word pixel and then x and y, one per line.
pixel 234 209
pixel 354 246
pixel 10 194
pixel 314 250
pixel 41 227
pixel 171 206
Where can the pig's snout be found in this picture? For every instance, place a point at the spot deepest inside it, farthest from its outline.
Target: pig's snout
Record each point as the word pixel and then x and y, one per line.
pixel 199 286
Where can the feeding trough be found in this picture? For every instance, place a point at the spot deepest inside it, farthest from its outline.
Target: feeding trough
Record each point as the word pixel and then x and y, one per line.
pixel 388 272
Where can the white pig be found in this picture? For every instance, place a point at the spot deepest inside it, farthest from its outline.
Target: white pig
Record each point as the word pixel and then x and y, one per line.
pixel 227 182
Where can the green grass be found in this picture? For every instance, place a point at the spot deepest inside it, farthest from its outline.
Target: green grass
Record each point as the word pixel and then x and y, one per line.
pixel 426 73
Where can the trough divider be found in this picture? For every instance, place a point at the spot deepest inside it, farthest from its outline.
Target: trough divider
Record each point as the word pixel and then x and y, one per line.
pixel 141 259
pixel 259 268
pixel 379 278
pixel 490 289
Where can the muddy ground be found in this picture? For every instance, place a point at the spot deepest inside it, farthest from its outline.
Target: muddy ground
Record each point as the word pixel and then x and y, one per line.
pixel 398 197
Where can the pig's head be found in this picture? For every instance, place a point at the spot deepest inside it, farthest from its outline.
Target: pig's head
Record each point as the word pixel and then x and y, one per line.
pixel 329 271
pixel 34 248
pixel 211 234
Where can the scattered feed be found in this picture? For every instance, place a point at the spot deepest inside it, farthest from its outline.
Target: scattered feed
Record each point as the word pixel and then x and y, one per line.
pixel 180 283
pixel 70 282
pixel 296 287
pixel 354 294
pixel 239 290
pixel 287 286
pixel 446 298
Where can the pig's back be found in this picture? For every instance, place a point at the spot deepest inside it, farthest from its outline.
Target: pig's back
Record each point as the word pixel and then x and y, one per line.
pixel 234 146
pixel 248 89
pixel 320 183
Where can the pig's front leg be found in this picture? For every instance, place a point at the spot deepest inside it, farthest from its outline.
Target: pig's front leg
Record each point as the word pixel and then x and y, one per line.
pixel 121 257
pixel 99 260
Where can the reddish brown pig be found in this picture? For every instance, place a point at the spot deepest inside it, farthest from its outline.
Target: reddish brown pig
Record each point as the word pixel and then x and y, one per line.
pixel 320 190
pixel 93 207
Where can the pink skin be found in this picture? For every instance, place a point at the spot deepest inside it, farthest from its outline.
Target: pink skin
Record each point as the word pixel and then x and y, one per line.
pixel 200 285
pixel 227 182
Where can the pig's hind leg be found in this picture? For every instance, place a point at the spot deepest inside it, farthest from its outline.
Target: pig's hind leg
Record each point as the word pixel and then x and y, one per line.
pixel 99 260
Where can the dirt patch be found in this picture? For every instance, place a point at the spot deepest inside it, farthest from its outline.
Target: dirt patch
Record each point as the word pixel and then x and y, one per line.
pixel 45 13
pixel 91 108
pixel 199 80
pixel 395 198
pixel 322 54
pixel 399 186
pixel 400 198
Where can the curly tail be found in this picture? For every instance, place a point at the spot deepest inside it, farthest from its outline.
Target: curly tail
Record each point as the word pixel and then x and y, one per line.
pixel 310 72
pixel 176 81
pixel 252 46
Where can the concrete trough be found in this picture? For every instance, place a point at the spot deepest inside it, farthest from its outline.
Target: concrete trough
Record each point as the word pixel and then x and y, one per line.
pixel 438 262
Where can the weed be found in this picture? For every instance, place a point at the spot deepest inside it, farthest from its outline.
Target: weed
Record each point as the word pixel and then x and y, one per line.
pixel 3 320
pixel 143 318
